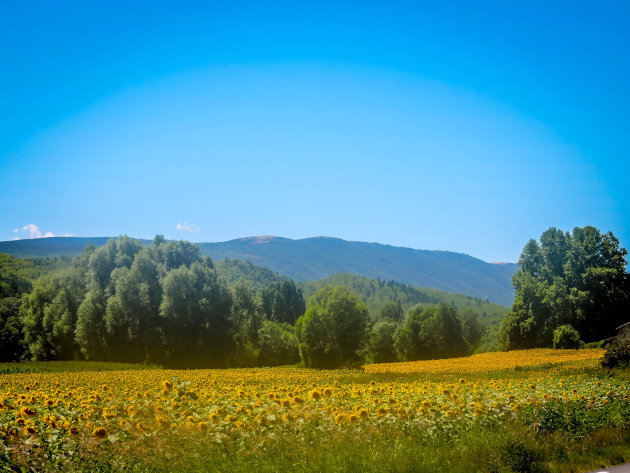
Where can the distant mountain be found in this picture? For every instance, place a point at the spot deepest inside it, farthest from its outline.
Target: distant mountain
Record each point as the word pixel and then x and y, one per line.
pixel 50 247
pixel 316 258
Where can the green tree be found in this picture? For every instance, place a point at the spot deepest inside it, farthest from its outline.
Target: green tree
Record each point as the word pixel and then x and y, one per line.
pixel 381 348
pixel 566 336
pixel 576 279
pixel 133 322
pixel 11 345
pixel 392 311
pixel 196 307
pixel 90 329
pixel 283 302
pixel 333 332
pixel 472 329
pixel 430 333
pixel 278 344
pixel 246 319
pixel 32 313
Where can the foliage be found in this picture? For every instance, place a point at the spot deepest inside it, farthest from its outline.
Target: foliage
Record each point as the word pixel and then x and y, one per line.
pixel 378 294
pixel 70 366
pixel 381 348
pixel 129 302
pixel 392 311
pixel 429 333
pixel 472 328
pixel 196 308
pixel 17 275
pixel 278 344
pixel 11 346
pixel 576 279
pixel 617 355
pixel 234 270
pixel 566 336
pixel 246 318
pixel 333 330
pixel 283 302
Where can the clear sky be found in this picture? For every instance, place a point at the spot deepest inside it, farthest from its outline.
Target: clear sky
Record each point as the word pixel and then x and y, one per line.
pixel 463 126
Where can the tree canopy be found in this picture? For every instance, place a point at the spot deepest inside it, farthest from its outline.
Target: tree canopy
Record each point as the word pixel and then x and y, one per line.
pixel 576 280
pixel 333 330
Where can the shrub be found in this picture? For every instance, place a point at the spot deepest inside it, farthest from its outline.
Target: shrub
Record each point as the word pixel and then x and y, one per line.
pixel 521 459
pixel 566 336
pixel 617 355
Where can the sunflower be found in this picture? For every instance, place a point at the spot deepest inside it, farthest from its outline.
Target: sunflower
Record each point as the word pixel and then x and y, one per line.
pixel 100 433
pixel 28 412
pixel 30 430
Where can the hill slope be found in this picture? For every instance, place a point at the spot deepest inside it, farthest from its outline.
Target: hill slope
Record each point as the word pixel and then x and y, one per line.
pixel 234 270
pixel 316 258
pixel 377 293
pixel 51 247
pixel 17 275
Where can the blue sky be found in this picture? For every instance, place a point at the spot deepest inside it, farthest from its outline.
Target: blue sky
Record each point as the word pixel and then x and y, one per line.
pixel 463 126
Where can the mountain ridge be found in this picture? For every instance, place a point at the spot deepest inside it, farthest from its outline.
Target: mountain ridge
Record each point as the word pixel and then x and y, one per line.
pixel 315 258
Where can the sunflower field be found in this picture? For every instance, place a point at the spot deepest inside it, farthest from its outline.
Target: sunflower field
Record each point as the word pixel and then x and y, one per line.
pixel 402 416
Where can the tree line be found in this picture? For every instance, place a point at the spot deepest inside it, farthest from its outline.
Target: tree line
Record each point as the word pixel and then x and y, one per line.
pixel 160 303
pixel 164 303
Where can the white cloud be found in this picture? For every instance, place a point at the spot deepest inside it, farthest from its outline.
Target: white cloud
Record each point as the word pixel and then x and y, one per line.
pixel 187 227
pixel 33 231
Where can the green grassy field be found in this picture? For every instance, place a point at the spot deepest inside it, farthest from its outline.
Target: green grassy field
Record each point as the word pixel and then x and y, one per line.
pixel 68 366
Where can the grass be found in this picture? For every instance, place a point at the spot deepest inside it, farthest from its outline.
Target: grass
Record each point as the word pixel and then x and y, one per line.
pixel 64 366
pixel 509 448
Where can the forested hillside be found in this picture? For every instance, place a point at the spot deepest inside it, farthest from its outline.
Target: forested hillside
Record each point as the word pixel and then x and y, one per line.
pixel 234 270
pixel 376 294
pixel 51 247
pixel 17 274
pixel 315 258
